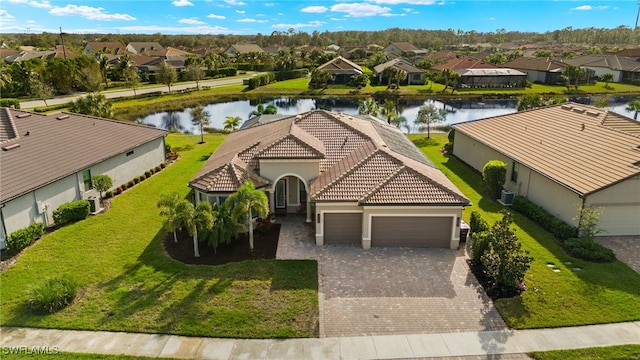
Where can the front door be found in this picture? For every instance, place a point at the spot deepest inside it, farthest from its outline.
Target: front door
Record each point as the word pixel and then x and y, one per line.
pixel 281 194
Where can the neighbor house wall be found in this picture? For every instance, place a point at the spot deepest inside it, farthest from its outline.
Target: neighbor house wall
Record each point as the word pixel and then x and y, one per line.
pixel 620 206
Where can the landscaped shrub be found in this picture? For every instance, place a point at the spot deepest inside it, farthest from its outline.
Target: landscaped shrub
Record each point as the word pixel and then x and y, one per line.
pixel 22 238
pixel 130 184
pixel 163 164
pixel 71 212
pixel 494 174
pixel 53 295
pixel 136 179
pixel 143 177
pixel 477 223
pixel 124 186
pixel 261 80
pixel 158 168
pixel 15 103
pixel 108 194
pixel 590 250
pixel 479 245
pixel 539 215
pixel 291 74
pixel 119 190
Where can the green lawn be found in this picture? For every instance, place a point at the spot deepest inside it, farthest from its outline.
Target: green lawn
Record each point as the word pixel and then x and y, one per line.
pixel 599 293
pixel 129 284
pixel 69 356
pixel 623 352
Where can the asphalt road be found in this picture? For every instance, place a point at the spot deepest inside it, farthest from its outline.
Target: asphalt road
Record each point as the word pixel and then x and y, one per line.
pixel 120 93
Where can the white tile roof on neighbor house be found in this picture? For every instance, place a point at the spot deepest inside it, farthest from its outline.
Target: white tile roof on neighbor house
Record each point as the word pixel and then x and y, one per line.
pixel 581 147
pixel 360 160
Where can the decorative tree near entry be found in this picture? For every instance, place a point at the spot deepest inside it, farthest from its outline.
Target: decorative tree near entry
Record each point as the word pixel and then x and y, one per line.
pixel 101 183
pixel 200 118
pixel 195 218
pixel 246 200
pixel 428 115
pixel 168 204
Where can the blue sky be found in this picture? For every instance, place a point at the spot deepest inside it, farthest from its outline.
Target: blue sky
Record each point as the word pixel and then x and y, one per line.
pixel 247 17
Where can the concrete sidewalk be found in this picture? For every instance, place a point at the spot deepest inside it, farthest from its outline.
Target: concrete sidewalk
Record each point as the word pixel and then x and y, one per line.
pixel 483 343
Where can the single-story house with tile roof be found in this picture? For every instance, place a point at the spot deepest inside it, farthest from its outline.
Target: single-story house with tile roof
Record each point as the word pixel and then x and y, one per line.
pixel 538 70
pixel 623 69
pixel 415 75
pixel 358 179
pixel 477 73
pixel 236 49
pixel 143 47
pixel 48 160
pixel 399 48
pixel 107 47
pixel 564 157
pixel 343 70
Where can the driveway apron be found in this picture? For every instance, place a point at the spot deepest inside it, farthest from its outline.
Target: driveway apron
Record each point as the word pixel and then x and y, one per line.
pixel 387 291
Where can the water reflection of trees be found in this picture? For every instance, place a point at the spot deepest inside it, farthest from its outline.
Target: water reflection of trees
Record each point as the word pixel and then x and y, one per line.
pixel 171 122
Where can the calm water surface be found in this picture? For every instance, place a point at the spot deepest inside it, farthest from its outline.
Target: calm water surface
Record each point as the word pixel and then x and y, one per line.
pixel 457 110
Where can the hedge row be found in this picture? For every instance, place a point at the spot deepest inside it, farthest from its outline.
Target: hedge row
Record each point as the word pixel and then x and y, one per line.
pixel 261 80
pixel 138 179
pixel 71 212
pixel 39 109
pixel 291 74
pixel 22 238
pixel 222 71
pixel 542 217
pixel 15 103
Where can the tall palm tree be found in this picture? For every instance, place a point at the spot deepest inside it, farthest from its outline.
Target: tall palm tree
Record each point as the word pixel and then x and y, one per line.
pixel 168 205
pixel 389 110
pixel 270 109
pixel 232 123
pixel 200 118
pixel 195 218
pixel 634 106
pixel 245 201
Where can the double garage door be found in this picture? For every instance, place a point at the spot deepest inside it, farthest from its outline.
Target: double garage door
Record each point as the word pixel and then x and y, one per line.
pixel 389 231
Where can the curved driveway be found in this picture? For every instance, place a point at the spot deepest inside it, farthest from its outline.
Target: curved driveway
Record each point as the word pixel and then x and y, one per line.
pixel 385 291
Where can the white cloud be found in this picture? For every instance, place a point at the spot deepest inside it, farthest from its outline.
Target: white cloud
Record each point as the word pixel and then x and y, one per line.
pixel 4 15
pixel 280 14
pixel 338 19
pixel 491 19
pixel 360 10
pixel 410 2
pixel 182 3
pixel 173 29
pixel 240 11
pixel 253 21
pixel 407 10
pixel 191 21
pixel 298 25
pixel 214 16
pixel 589 7
pixel 269 4
pixel 392 15
pixel 315 9
pixel 235 2
pixel 44 4
pixel 88 12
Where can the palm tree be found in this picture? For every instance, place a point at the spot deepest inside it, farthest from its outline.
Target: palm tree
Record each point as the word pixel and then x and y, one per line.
pixel 200 118
pixel 195 218
pixel 368 106
pixel 428 115
pixel 232 123
pixel 634 106
pixel 264 110
pixel 168 204
pixel 446 75
pixel 389 109
pixel 104 70
pixel 224 229
pixel 245 201
pixel 607 78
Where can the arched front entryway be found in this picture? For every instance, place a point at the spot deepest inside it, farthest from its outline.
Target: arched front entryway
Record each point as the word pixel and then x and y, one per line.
pixel 289 194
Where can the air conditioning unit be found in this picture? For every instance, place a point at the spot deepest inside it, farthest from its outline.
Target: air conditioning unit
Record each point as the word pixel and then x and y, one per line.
pixel 506 197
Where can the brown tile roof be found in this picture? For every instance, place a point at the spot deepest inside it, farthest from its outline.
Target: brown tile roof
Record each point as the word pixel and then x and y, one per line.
pixel 569 144
pixel 114 47
pixel 55 146
pixel 244 48
pixel 340 65
pixel 356 155
pixel 404 46
pixel 612 62
pixel 167 52
pixel 464 63
pixel 622 123
pixel 635 52
pixel 399 63
pixel 534 63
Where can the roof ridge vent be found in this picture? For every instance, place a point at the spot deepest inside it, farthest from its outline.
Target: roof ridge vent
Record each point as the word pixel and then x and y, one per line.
pixel 593 113
pixel 11 147
pixel 62 117
pixel 579 110
pixel 567 107
pixel 21 116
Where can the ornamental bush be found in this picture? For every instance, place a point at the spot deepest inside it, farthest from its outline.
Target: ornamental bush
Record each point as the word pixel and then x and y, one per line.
pixel 560 229
pixel 477 223
pixel 22 238
pixel 53 295
pixel 590 250
pixel 494 174
pixel 71 212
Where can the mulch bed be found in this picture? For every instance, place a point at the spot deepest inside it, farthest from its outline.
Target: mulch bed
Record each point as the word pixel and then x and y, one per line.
pixel 265 247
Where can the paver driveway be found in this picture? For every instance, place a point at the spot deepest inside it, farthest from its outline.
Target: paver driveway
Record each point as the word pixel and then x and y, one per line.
pixel 390 290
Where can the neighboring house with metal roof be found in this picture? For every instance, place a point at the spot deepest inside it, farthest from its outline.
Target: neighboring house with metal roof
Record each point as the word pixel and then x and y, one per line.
pixel 106 47
pixel 47 160
pixel 623 69
pixel 562 158
pixel 477 73
pixel 358 179
pixel 415 75
pixel 343 70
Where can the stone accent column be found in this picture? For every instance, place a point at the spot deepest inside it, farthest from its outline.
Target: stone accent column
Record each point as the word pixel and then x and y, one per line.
pixel 272 204
pixel 308 208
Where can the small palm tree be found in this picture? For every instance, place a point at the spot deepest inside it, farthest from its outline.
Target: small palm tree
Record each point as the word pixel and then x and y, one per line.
pixel 635 107
pixel 232 123
pixel 224 229
pixel 264 110
pixel 245 201
pixel 195 218
pixel 168 204
pixel 200 118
